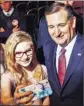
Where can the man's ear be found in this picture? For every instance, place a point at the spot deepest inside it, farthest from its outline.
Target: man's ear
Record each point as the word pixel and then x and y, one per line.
pixel 74 22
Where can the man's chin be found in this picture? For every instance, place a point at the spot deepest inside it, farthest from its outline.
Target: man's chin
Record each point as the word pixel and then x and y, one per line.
pixel 61 42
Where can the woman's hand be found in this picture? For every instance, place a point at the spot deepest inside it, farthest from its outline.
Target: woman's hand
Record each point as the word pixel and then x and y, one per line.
pixel 16 28
pixel 2 29
pixel 46 101
pixel 23 97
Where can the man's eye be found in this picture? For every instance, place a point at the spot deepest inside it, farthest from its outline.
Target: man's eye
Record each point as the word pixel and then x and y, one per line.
pixel 61 25
pixel 51 26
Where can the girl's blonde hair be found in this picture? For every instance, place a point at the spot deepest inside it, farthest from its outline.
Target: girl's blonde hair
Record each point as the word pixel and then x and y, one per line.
pixel 2 56
pixel 11 43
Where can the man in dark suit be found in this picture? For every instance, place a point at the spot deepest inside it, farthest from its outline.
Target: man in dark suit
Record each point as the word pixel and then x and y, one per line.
pixel 43 35
pixel 11 20
pixel 65 58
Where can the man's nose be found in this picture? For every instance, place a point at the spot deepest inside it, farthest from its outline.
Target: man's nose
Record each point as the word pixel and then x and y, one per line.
pixel 57 31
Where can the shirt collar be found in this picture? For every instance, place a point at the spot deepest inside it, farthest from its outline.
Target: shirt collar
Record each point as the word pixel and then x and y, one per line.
pixel 10 12
pixel 71 44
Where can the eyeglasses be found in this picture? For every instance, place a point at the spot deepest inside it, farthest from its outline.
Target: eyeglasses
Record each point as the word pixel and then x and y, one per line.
pixel 20 54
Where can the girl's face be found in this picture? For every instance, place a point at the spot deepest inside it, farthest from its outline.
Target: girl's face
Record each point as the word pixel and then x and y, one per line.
pixel 24 53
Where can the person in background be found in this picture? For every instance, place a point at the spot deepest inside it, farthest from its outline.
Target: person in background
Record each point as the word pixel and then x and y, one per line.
pixel 79 7
pixel 11 20
pixel 2 65
pixel 43 36
pixel 65 62
pixel 23 69
pixel 2 62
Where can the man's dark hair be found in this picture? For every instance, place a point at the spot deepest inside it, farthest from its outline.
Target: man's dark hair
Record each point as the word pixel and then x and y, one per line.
pixel 56 7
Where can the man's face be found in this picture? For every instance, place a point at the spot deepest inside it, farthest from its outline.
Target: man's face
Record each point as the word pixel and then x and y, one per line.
pixel 24 54
pixel 61 28
pixel 5 5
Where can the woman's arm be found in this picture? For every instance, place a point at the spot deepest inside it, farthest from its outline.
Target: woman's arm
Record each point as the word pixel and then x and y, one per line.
pixel 46 101
pixel 18 98
pixel 6 94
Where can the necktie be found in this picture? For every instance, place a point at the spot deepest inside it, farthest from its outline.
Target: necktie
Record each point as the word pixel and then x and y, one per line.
pixel 61 66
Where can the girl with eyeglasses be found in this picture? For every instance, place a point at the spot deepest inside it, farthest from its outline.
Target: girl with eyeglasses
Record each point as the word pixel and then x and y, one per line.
pixel 23 69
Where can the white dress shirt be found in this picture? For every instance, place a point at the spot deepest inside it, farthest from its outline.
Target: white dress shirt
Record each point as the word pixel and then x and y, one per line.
pixel 68 52
pixel 9 13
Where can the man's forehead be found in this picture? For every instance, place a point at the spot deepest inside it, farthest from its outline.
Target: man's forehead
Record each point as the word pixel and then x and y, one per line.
pixel 3 1
pixel 62 15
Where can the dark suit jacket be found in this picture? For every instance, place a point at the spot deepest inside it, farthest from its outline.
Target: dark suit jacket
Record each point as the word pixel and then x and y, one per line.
pixel 42 38
pixel 43 35
pixel 71 93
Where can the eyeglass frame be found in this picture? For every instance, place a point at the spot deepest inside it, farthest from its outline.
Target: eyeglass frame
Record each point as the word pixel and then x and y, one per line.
pixel 31 49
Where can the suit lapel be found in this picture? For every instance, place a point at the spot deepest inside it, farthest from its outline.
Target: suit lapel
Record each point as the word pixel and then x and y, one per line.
pixel 74 60
pixel 53 72
pixel 50 62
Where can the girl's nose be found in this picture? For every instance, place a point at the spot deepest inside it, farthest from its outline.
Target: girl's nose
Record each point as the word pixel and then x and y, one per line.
pixel 24 56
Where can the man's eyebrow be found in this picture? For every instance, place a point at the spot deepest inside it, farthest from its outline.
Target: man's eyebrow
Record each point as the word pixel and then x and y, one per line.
pixel 57 25
pixel 50 25
pixel 61 24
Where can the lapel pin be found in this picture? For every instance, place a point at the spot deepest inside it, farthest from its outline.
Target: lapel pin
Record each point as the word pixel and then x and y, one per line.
pixel 79 54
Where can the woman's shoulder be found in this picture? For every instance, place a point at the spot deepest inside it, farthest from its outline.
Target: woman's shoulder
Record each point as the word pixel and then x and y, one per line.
pixel 7 75
pixel 7 78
